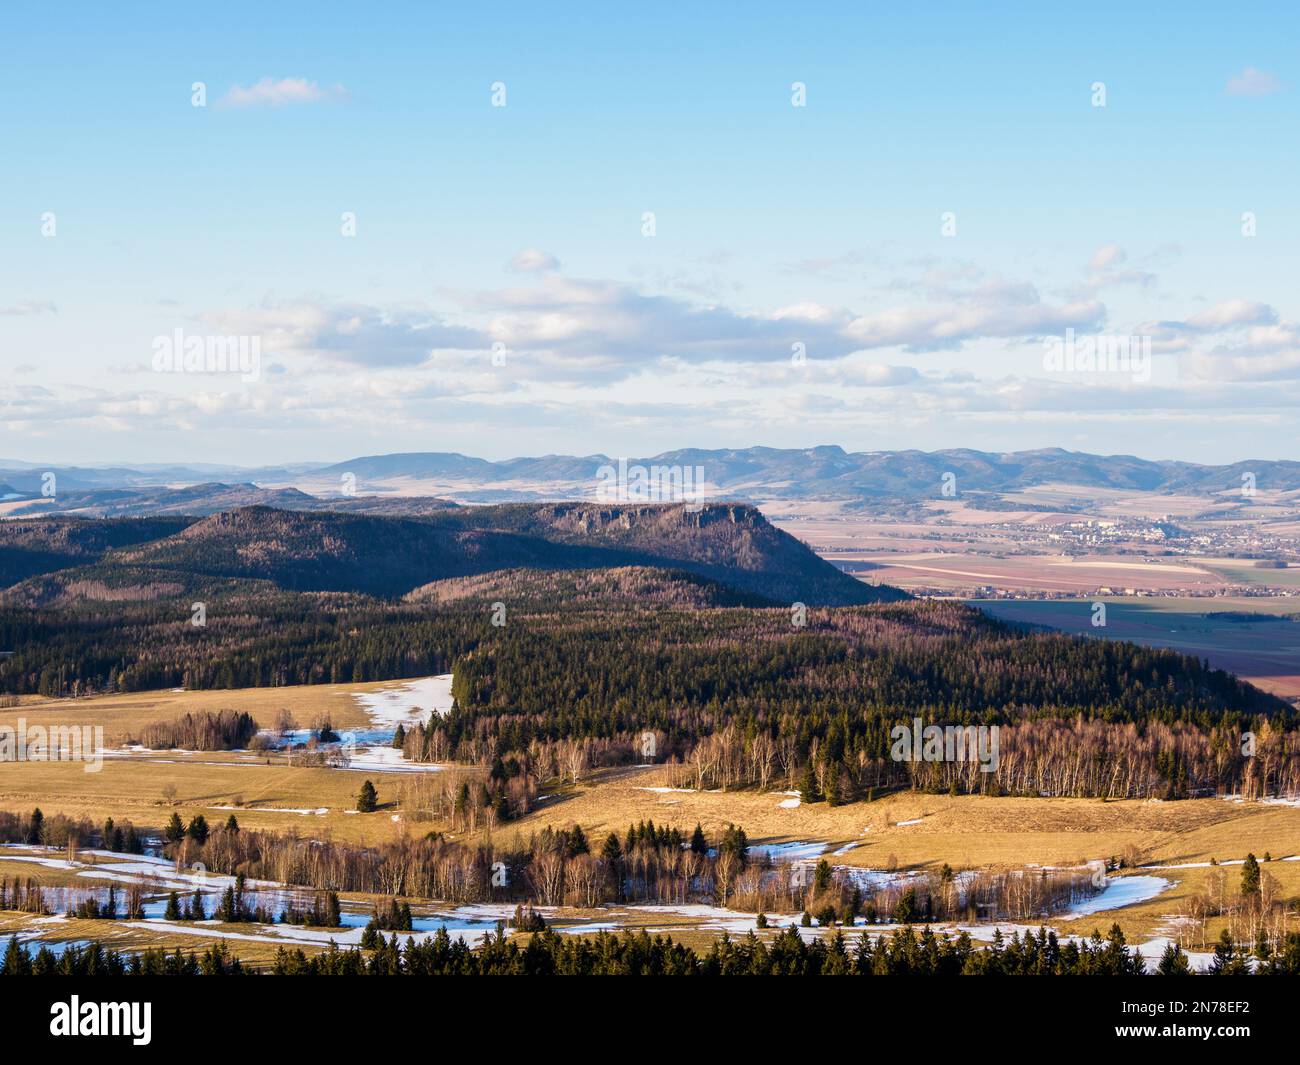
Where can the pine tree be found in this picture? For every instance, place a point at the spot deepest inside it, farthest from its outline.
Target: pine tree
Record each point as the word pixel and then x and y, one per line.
pixel 198 830
pixel 699 842
pixel 175 830
pixel 832 785
pixel 399 737
pixel 231 824
pixel 368 799
pixel 17 961
pixel 173 911
pixel 35 826
pixel 612 851
pixel 226 908
pixel 1250 877
pixel 905 909
pixel 1227 960
pixel 808 790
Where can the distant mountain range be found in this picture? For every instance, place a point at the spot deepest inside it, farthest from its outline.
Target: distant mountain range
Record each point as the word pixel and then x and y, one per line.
pixel 200 500
pixel 374 483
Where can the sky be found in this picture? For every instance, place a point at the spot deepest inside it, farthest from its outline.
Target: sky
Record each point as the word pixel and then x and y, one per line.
pixel 505 230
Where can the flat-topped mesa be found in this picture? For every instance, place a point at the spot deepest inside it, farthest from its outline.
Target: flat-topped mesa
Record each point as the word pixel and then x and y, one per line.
pixel 731 544
pixel 592 517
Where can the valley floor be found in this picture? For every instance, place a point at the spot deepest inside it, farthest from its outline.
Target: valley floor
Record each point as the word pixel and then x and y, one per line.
pixel 1171 844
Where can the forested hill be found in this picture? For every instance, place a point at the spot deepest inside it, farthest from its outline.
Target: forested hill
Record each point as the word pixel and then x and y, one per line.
pixel 389 556
pixel 43 545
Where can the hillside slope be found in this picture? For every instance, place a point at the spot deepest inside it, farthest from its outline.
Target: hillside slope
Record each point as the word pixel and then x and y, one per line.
pixel 42 545
pixel 324 551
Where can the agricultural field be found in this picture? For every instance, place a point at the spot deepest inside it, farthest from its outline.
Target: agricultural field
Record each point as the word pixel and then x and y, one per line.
pixel 1256 638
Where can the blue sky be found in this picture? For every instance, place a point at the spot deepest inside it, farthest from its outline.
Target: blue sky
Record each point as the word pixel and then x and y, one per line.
pixel 522 226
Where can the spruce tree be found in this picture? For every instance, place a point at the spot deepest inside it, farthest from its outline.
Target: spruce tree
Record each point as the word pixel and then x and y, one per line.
pixel 17 961
pixel 175 830
pixel 1227 960
pixel 368 799
pixel 198 830
pixel 1250 877
pixel 832 785
pixel 808 790
pixel 612 851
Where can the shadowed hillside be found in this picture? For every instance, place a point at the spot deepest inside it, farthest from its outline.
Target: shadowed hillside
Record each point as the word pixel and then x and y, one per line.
pixel 731 544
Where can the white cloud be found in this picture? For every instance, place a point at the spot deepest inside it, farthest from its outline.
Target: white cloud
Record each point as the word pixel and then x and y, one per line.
pixel 591 356
pixel 1232 313
pixel 1107 268
pixel 1252 82
pixel 353 333
pixel 613 324
pixel 998 310
pixel 1242 367
pixel 1107 255
pixel 533 261
pixel 276 92
pixel 27 307
pixel 1226 317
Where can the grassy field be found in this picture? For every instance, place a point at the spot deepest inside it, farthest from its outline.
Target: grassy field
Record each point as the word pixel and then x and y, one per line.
pixel 124 716
pixel 265 796
pixel 905 830
pixel 909 830
pixel 147 788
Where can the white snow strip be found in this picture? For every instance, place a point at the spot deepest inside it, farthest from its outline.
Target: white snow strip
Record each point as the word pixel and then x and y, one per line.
pixel 407 703
pixel 787 852
pixel 1119 892
pixel 320 811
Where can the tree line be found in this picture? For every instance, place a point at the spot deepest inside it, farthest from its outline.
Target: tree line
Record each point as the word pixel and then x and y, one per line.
pixel 648 864
pixel 222 730
pixel 905 952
